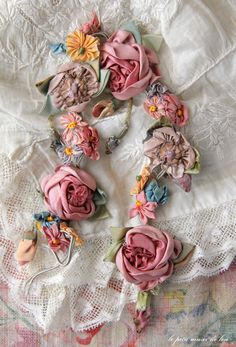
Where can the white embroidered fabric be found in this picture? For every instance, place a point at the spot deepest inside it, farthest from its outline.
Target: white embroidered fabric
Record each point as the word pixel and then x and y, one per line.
pixel 197 61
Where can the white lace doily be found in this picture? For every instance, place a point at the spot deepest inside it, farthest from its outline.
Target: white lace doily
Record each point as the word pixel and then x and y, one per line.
pixel 197 62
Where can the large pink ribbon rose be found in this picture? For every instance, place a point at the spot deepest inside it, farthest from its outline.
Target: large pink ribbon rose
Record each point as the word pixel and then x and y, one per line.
pixel 146 259
pixel 132 66
pixel 68 193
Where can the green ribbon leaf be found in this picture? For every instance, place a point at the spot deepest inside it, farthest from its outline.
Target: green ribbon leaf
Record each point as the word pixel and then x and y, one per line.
pixel 152 41
pixel 30 235
pixel 184 257
pixel 162 122
pixel 118 235
pixel 156 291
pixel 99 197
pixel 43 85
pixel 48 108
pixel 104 78
pixel 95 64
pixel 112 251
pixel 143 301
pixel 131 27
pixel 197 166
pixel 100 200
pixel 101 213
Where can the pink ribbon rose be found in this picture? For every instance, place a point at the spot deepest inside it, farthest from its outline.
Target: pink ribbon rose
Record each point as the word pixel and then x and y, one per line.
pixel 68 193
pixel 132 66
pixel 147 257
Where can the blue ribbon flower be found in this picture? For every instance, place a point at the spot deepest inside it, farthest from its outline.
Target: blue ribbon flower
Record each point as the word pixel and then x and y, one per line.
pixel 58 48
pixel 46 219
pixel 156 193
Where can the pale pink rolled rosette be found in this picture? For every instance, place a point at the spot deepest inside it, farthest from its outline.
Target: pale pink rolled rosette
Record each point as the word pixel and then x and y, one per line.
pixel 170 149
pixel 73 86
pixel 133 67
pixel 146 258
pixel 68 193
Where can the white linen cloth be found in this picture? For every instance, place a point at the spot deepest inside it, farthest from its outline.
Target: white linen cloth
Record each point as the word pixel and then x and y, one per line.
pixel 197 62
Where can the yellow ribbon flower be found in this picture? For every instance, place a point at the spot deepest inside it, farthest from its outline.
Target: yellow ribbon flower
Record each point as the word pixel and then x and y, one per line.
pixel 82 47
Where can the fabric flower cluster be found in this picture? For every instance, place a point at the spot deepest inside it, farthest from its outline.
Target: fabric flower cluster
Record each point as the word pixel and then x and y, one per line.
pixel 57 232
pixel 149 195
pixel 49 223
pixel 123 62
pixel 77 139
pixel 161 103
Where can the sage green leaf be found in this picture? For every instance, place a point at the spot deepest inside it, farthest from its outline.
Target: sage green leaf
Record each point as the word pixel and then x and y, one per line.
pixel 48 108
pixel 100 213
pixel 184 257
pixel 95 65
pixel 118 234
pixel 155 291
pixel 43 85
pixel 104 78
pixel 99 197
pixel 143 301
pixel 30 235
pixel 112 251
pixel 131 27
pixel 100 200
pixel 152 41
pixel 162 122
pixel 197 166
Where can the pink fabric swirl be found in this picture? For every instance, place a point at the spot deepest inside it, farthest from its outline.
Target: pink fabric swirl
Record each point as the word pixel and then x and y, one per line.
pixel 147 257
pixel 68 193
pixel 133 67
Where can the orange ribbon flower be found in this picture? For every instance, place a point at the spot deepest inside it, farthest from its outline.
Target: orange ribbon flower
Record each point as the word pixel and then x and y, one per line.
pixel 82 47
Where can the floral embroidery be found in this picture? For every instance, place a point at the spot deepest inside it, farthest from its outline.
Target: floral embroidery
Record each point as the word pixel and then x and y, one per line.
pixel 91 27
pixel 90 142
pixel 68 154
pixel 145 209
pixel 72 123
pixel 146 256
pixel 46 219
pixel 141 180
pixel 155 193
pixel 77 139
pixel 130 73
pixel 56 239
pixel 73 86
pixel 82 47
pixel 68 193
pixel 169 149
pixel 167 105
